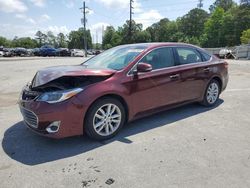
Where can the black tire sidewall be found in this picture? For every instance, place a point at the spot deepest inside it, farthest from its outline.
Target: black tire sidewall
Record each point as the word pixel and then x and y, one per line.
pixel 88 123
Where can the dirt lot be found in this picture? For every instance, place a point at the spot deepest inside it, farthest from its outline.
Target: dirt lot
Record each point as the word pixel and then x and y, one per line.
pixel 191 146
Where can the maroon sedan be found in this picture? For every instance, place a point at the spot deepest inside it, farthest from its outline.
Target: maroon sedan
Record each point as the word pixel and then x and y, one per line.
pixel 119 85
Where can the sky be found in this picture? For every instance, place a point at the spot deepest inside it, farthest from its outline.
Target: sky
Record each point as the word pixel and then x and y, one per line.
pixel 23 18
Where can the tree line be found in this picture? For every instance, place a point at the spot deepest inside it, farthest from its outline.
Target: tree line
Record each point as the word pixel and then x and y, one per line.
pixel 226 24
pixel 74 40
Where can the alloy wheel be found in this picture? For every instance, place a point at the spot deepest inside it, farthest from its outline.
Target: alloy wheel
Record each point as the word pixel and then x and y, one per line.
pixel 107 119
pixel 212 93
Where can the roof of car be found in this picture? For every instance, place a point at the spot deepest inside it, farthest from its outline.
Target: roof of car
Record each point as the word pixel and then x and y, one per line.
pixel 158 44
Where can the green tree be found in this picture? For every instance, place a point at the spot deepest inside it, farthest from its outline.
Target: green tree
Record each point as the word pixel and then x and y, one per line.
pixel 39 37
pixel 61 40
pixel 108 36
pixel 5 42
pixel 245 38
pixel 241 17
pixel 224 4
pixel 76 39
pixel 51 39
pixel 214 29
pixel 25 42
pixel 127 36
pixel 192 24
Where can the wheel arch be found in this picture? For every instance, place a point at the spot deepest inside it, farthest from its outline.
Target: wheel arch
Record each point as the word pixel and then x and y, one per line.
pixel 115 96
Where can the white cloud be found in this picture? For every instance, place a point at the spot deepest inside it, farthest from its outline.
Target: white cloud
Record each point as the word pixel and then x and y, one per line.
pixel 12 6
pixel 148 18
pixel 39 3
pixel 115 3
pixel 25 18
pixel 121 4
pixel 69 3
pixel 44 18
pixel 11 30
pixel 90 11
pixel 58 29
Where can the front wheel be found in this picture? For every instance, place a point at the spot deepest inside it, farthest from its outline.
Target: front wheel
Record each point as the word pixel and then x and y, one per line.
pixel 212 93
pixel 104 119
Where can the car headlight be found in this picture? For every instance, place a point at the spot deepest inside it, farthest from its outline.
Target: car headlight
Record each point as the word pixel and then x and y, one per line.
pixel 58 96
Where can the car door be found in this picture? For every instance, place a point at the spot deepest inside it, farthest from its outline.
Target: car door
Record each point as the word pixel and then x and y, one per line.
pixel 157 88
pixel 193 73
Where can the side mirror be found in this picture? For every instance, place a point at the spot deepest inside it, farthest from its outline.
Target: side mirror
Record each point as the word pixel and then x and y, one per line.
pixel 144 67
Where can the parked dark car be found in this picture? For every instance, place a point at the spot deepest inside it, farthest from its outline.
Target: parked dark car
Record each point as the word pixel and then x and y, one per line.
pixel 48 51
pixel 36 52
pixel 20 52
pixel 64 52
pixel 119 85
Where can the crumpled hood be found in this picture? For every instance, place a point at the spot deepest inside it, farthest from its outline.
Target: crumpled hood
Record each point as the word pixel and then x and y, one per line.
pixel 47 75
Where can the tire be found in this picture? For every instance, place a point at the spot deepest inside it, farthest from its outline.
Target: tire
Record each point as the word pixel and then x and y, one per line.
pixel 212 93
pixel 98 125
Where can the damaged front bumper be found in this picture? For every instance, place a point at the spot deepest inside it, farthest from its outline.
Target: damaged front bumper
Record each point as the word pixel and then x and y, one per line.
pixel 57 120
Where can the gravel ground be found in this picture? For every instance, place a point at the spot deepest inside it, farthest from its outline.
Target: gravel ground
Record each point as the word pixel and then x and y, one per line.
pixel 191 146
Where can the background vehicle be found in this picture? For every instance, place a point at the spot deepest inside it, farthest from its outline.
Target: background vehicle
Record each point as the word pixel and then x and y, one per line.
pixel 47 51
pixel 119 85
pixel 8 52
pixel 20 52
pixel 77 53
pixel 63 52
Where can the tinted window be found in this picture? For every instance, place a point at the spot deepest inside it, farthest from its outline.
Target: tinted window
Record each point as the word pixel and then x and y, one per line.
pixel 206 57
pixel 160 58
pixel 188 55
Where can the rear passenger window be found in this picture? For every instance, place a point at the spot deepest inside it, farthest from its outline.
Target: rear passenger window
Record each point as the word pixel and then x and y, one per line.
pixel 160 58
pixel 188 55
pixel 206 57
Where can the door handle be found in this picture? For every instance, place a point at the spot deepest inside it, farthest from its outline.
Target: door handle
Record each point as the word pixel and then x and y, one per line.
pixel 207 69
pixel 174 77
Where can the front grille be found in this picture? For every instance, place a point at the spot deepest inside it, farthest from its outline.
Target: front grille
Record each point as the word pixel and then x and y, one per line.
pixel 29 117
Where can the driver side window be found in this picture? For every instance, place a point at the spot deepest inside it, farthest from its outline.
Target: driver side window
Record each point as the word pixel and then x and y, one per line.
pixel 159 58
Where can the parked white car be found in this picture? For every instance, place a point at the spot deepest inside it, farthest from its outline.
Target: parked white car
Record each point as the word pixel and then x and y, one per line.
pixel 1 53
pixel 77 53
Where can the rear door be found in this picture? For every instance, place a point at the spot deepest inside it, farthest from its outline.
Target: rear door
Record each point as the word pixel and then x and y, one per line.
pixel 194 73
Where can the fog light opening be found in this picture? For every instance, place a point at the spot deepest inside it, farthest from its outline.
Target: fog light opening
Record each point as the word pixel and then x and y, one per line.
pixel 53 127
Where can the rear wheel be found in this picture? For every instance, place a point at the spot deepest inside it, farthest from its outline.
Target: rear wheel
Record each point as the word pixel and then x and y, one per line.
pixel 212 93
pixel 104 119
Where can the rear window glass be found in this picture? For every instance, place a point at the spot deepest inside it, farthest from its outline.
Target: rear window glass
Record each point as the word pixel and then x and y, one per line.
pixel 188 55
pixel 206 56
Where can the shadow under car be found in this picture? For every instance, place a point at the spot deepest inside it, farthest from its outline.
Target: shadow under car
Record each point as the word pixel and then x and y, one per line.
pixel 26 147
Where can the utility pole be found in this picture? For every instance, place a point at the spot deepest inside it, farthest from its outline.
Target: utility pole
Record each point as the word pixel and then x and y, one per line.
pixel 102 35
pixel 200 4
pixel 84 20
pixel 130 19
pixel 96 45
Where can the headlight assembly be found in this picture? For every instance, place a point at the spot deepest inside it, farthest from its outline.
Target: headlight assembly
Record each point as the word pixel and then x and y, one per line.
pixel 58 96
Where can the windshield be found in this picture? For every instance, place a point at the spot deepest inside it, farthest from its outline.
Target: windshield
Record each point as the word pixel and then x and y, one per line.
pixel 116 58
